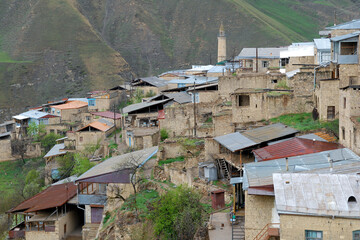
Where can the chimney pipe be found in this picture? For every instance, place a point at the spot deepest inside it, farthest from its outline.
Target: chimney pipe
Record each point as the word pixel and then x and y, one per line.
pixel 287 164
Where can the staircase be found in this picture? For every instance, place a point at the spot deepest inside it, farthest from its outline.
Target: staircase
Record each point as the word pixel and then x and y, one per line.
pixel 238 228
pixel 224 169
pixel 270 231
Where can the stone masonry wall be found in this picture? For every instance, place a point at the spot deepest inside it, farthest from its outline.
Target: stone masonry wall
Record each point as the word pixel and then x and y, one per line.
pixel 292 227
pixel 327 94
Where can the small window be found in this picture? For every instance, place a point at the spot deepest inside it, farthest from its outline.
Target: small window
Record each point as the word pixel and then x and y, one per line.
pixel 52 131
pixel 58 112
pixel 356 235
pixel 91 102
pixel 344 102
pixel 87 118
pixel 343 133
pixel 330 112
pixel 81 139
pixel 351 199
pixel 274 81
pixel 265 64
pixel 313 235
pixel 243 100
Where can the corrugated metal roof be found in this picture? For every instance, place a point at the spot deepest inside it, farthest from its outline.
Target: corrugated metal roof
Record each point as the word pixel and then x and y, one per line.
pixel 293 147
pixel 346 36
pixel 56 150
pixel 119 162
pixel 195 79
pixel 142 105
pixel 107 114
pixel 310 136
pixel 317 194
pixel 353 24
pixel 322 43
pixel 235 141
pixel 71 105
pixel 269 132
pixel 154 81
pixel 218 69
pixel 53 196
pixel 260 173
pixel 179 97
pixel 262 53
pixel 33 114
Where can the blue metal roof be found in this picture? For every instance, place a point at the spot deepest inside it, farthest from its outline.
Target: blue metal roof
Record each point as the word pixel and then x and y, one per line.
pixel 322 43
pixel 353 24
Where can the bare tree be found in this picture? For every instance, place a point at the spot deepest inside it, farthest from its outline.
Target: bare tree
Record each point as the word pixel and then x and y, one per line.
pixel 19 147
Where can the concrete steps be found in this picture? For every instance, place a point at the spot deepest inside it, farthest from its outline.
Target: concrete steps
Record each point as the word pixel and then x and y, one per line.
pixel 238 228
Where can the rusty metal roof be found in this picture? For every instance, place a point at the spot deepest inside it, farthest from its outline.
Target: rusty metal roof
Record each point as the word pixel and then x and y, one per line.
pixel 71 105
pixel 53 196
pixel 269 132
pixel 293 147
pixel 317 194
pixel 262 190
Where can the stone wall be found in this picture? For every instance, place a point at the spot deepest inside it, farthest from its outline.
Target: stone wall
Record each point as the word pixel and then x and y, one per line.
pixel 71 220
pixel 72 115
pixel 222 122
pixel 349 74
pixel 299 60
pixel 327 95
pixel 84 139
pixel 5 150
pixel 258 213
pixel 292 227
pixel 349 114
pixel 169 149
pixel 227 85
pixel 208 96
pixel 41 235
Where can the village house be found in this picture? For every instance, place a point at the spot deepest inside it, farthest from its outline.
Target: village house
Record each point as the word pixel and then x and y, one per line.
pixel 233 150
pixel 259 59
pixel 317 206
pixel 170 75
pixel 327 99
pixel 106 182
pixel 297 55
pixel 70 111
pixel 191 81
pixel 51 165
pixel 109 116
pixel 91 134
pixel 8 126
pixel 341 29
pixel 150 85
pixel 207 93
pixel 5 147
pixel 51 214
pixel 260 207
pixel 106 100
pixel 322 50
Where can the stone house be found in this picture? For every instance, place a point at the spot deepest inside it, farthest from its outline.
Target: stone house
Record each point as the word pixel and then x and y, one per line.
pixel 258 185
pixel 106 100
pixel 317 206
pixel 51 165
pixel 8 126
pixel 70 111
pixel 207 93
pixel 92 134
pixel 233 150
pixel 297 54
pixel 259 59
pixel 349 115
pixel 109 116
pixel 51 214
pixel 343 28
pixel 140 138
pixel 106 182
pixel 252 105
pixel 345 48
pixel 150 85
pixel 228 84
pixel 327 99
pixel 191 81
pixel 5 147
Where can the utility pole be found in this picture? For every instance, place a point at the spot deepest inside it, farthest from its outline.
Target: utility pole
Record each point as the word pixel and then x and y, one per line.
pixel 257 56
pixel 194 111
pixel 115 123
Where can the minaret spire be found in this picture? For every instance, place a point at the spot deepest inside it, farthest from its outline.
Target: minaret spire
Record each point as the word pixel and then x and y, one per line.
pixel 221 43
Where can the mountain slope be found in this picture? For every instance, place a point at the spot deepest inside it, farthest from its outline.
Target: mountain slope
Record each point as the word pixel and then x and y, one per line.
pixel 55 48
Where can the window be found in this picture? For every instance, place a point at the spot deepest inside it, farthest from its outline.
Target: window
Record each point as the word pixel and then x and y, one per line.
pixel 330 112
pixel 87 118
pixel 58 112
pixel 52 131
pixel 356 235
pixel 81 139
pixel 352 199
pixel 313 235
pixel 274 81
pixel 343 133
pixel 284 62
pixel 344 102
pixel 243 100
pixel 91 102
pixel 265 64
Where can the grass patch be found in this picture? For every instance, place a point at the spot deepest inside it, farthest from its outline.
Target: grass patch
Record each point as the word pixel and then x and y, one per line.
pixel 276 94
pixel 143 200
pixel 209 120
pixel 117 131
pixel 171 160
pixel 304 122
pixel 12 172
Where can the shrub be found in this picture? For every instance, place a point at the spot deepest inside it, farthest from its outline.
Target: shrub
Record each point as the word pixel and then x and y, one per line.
pixel 163 134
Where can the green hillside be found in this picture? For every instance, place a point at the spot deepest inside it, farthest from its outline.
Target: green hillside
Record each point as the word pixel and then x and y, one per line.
pixel 55 48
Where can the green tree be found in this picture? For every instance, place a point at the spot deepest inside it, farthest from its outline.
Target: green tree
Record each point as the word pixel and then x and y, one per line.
pixel 49 140
pixel 163 134
pixel 81 164
pixel 36 131
pixel 178 213
pixel 66 164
